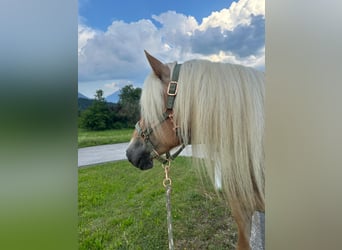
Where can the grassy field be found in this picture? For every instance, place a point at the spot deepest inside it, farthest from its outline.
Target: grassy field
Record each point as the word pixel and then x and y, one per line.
pixel 94 138
pixel 121 207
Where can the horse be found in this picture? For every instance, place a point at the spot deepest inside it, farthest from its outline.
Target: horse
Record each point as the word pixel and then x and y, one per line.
pixel 218 108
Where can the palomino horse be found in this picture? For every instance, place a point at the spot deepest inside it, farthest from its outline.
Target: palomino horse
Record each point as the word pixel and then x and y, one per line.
pixel 219 109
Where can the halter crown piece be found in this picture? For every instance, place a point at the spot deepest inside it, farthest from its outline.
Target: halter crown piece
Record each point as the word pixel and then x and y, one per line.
pixel 170 100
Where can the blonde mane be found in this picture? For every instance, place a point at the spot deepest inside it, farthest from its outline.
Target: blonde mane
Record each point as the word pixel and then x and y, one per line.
pixel 220 108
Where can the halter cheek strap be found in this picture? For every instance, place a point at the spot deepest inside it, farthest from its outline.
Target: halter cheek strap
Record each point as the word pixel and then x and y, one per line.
pixel 168 114
pixel 172 88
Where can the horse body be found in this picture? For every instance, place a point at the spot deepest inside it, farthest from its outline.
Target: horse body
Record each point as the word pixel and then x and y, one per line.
pixel 219 109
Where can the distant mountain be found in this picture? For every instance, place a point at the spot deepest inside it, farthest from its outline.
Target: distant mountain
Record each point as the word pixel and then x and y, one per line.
pixel 82 96
pixel 114 98
pixel 84 103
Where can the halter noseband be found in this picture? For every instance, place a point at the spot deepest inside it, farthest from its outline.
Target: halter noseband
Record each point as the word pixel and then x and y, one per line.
pixel 168 114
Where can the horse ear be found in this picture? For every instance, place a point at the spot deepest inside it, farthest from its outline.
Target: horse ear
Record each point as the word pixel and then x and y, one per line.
pixel 161 70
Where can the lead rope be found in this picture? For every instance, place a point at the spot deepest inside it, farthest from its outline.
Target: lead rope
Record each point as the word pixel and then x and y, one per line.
pixel 167 181
pixel 167 184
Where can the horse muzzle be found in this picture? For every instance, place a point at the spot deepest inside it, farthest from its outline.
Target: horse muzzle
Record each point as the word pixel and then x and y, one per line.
pixel 139 156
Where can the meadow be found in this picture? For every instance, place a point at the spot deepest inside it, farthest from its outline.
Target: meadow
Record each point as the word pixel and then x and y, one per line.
pixel 122 207
pixel 94 138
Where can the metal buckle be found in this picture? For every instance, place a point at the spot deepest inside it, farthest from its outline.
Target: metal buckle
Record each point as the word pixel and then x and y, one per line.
pixel 174 86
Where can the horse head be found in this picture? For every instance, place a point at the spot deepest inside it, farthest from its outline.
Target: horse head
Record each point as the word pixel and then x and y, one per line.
pixel 154 136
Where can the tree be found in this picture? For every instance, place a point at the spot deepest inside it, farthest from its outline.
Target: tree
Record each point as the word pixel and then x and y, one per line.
pixel 97 116
pixel 99 96
pixel 129 94
pixel 129 101
pixel 101 115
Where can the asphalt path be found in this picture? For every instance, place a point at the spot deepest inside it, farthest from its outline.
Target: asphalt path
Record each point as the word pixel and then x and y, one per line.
pixel 100 154
pixel 108 153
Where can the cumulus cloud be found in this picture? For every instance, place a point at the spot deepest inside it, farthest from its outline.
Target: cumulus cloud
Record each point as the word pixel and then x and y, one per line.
pixel 84 34
pixel 243 40
pixel 239 13
pixel 235 34
pixel 117 52
pixel 176 28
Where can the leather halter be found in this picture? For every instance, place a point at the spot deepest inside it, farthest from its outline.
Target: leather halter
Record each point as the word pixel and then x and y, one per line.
pixel 168 114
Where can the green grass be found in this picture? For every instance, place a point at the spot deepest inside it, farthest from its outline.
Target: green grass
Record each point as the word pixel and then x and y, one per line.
pixel 121 207
pixel 94 138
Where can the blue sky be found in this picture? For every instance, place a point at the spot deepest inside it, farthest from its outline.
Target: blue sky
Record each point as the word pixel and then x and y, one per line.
pixel 113 35
pixel 100 14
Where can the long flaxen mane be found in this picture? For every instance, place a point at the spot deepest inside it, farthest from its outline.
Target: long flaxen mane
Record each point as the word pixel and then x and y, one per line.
pixel 220 108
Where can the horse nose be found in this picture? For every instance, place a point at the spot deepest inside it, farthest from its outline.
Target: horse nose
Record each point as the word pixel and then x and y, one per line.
pixel 137 155
pixel 133 152
pixel 129 154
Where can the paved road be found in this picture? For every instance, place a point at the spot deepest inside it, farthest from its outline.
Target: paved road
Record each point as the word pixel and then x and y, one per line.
pixel 107 153
pixel 100 154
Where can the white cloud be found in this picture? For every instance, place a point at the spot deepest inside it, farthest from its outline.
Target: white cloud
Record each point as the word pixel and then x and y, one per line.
pixel 235 34
pixel 176 24
pixel 118 52
pixel 112 85
pixel 255 61
pixel 243 40
pixel 238 13
pixel 84 34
